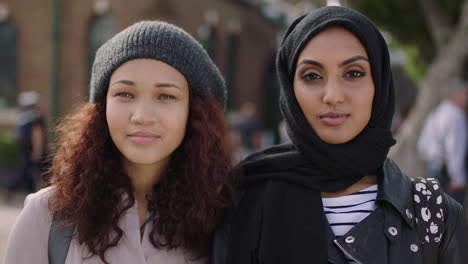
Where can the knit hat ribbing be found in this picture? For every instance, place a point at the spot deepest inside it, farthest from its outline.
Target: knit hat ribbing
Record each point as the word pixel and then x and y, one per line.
pixel 160 41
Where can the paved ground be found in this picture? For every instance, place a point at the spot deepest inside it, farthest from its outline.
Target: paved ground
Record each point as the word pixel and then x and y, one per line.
pixel 8 213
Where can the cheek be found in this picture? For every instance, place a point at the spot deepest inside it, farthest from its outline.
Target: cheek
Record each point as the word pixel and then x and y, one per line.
pixel 300 93
pixel 115 117
pixel 364 105
pixel 307 100
pixel 176 120
pixel 179 125
pixel 184 120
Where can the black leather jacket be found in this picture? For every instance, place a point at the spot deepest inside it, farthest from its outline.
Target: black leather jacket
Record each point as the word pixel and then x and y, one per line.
pixel 389 235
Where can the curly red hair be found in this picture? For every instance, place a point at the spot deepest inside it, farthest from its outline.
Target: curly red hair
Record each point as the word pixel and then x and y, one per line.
pixel 90 182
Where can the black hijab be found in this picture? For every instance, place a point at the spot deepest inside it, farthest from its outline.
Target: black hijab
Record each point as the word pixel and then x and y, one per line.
pixel 309 162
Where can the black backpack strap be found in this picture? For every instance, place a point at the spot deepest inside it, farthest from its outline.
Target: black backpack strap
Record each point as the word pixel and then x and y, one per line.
pixel 430 211
pixel 59 242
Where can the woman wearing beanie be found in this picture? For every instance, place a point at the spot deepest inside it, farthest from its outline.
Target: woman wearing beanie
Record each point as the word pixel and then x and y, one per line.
pixel 140 173
pixel 333 196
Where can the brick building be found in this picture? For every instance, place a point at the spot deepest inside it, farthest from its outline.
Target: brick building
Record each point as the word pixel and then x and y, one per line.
pixel 48 46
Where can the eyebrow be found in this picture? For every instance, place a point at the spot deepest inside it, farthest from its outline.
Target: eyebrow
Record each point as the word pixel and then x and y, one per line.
pixel 312 62
pixel 127 82
pixel 167 85
pixel 348 61
pixel 158 85
pixel 352 59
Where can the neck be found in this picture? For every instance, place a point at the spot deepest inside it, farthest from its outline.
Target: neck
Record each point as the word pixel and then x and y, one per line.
pixel 363 183
pixel 144 177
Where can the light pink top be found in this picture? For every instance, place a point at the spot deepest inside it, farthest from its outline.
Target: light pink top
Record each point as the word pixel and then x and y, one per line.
pixel 27 242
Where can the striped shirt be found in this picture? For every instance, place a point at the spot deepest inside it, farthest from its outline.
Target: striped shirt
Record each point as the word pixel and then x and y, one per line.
pixel 344 212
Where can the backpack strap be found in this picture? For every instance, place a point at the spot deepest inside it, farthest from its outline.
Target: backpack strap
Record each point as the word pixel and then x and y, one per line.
pixel 60 237
pixel 430 211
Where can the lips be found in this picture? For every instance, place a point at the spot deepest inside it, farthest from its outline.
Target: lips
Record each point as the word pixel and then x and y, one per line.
pixel 143 137
pixel 334 118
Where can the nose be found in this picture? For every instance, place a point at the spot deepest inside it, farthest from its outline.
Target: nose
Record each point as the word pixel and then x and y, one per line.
pixel 143 113
pixel 333 93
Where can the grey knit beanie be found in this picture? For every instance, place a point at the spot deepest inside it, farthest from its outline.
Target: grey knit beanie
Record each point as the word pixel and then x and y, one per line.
pixel 161 41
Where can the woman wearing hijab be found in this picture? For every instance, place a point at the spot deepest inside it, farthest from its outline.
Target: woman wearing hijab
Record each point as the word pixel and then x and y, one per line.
pixel 141 170
pixel 333 196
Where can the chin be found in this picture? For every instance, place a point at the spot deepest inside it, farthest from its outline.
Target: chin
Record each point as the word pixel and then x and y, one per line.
pixel 335 140
pixel 144 159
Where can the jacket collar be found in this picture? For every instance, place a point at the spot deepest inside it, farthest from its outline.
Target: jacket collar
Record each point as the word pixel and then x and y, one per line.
pixel 396 189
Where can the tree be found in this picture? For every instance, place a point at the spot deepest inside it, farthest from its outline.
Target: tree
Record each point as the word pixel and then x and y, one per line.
pixel 440 30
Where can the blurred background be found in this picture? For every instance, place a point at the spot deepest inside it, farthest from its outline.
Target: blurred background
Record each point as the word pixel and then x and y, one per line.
pixel 47 48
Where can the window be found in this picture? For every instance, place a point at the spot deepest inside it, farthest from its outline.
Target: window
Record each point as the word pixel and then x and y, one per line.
pixel 207 35
pixel 231 69
pixel 271 94
pixel 102 28
pixel 8 65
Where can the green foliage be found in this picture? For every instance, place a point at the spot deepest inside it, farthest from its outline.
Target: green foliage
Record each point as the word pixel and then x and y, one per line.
pixel 8 151
pixel 452 8
pixel 405 21
pixel 415 65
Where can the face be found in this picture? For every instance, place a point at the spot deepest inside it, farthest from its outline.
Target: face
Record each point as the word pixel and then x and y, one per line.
pixel 147 110
pixel 333 85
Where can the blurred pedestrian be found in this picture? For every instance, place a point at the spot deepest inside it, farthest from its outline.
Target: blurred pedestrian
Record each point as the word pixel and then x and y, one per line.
pixel 333 195
pixel 249 127
pixel 140 173
pixel 30 135
pixel 443 143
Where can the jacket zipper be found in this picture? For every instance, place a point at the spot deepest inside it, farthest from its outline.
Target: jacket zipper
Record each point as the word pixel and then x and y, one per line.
pixel 346 253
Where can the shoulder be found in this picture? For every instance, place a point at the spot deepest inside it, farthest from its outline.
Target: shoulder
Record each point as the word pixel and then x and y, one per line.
pixel 241 219
pixel 36 209
pixel 41 196
pixel 38 202
pixel 441 204
pixel 451 208
pixel 247 198
pixel 254 194
pixel 250 200
pixel 454 241
pixel 450 112
pixel 454 212
pixel 31 230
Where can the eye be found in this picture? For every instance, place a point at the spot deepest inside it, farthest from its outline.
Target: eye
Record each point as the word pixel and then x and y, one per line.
pixel 125 95
pixel 355 74
pixel 166 97
pixel 309 76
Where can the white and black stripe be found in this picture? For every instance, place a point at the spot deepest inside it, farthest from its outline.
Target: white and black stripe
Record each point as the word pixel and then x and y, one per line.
pixel 344 212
